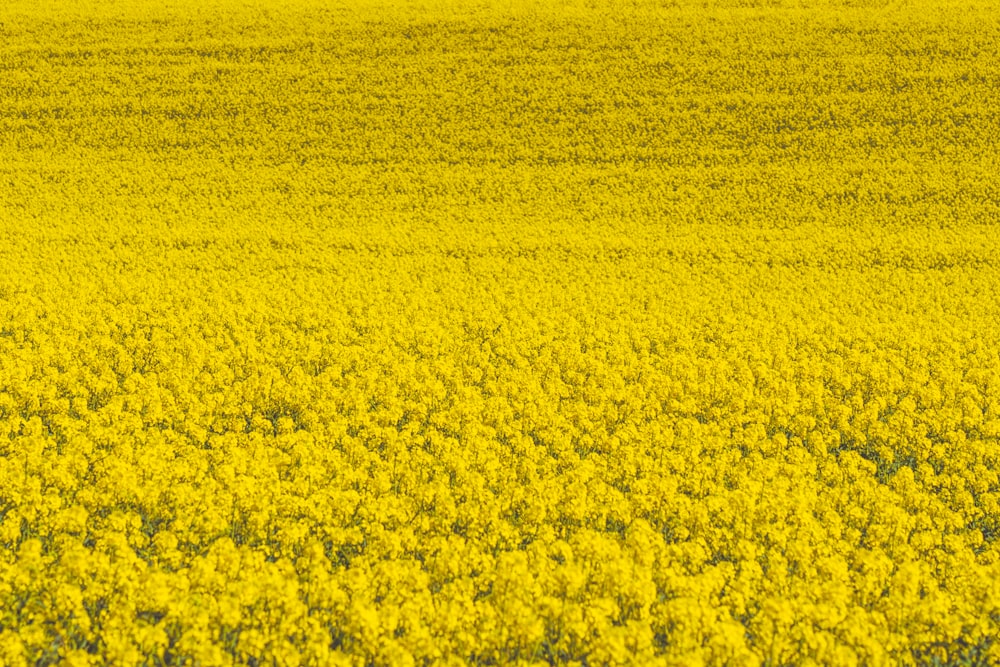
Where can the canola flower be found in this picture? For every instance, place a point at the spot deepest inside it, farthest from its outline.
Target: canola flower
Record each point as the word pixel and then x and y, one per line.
pixel 348 333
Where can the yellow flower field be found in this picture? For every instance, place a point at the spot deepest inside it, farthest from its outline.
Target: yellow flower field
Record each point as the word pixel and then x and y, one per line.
pixel 343 332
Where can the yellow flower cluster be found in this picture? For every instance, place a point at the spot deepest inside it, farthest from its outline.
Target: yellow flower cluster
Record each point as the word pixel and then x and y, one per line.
pixel 627 332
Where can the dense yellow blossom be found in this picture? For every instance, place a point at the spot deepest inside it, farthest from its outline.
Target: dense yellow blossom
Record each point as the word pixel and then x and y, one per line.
pixel 345 333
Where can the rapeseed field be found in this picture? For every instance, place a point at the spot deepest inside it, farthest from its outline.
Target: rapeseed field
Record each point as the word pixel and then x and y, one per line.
pixel 434 332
